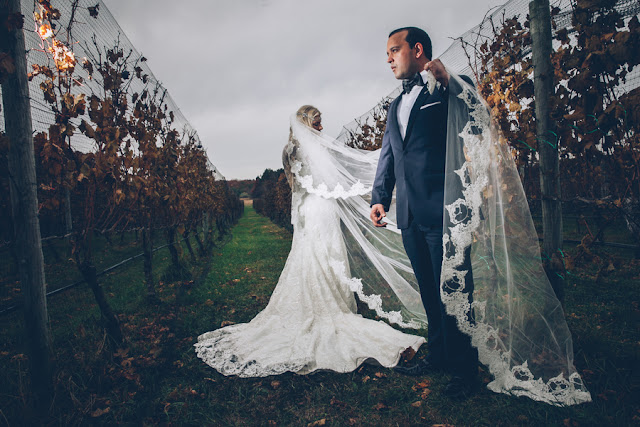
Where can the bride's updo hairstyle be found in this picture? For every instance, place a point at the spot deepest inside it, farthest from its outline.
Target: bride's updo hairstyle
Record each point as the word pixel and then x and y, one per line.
pixel 307 114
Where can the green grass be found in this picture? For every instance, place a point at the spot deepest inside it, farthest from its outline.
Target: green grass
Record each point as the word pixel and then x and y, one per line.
pixel 159 380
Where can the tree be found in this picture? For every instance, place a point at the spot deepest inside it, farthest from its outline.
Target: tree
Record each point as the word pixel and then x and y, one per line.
pixel 98 176
pixel 369 136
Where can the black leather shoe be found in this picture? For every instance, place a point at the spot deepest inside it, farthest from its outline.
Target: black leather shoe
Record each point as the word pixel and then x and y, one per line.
pixel 422 367
pixel 459 387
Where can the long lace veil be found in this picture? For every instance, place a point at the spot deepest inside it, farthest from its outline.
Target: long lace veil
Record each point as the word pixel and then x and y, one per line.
pixel 513 317
pixel 377 268
pixel 515 320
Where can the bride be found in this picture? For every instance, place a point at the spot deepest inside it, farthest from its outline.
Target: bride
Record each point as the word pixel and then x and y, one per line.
pixel 311 322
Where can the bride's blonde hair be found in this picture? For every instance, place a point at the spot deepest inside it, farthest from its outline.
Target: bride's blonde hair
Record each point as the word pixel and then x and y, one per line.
pixel 307 114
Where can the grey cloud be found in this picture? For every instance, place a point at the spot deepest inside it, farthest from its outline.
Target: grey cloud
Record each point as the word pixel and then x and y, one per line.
pixel 238 70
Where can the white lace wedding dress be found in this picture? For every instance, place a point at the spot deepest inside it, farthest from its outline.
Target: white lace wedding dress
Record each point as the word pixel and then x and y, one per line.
pixel 310 322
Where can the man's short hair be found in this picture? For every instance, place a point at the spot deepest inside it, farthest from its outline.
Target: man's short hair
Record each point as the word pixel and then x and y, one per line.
pixel 416 35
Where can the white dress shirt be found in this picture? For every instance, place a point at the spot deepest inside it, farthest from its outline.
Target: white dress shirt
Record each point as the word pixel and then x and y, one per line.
pixel 406 104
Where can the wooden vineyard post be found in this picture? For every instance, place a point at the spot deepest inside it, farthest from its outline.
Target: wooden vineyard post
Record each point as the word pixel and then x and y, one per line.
pixel 24 206
pixel 539 12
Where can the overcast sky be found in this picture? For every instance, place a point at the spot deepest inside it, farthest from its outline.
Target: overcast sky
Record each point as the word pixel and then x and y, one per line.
pixel 239 69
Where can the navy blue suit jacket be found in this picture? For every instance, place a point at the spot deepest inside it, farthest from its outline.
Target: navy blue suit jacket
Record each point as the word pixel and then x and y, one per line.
pixel 415 165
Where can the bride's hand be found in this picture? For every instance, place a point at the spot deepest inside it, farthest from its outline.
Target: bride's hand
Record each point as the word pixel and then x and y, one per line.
pixel 376 215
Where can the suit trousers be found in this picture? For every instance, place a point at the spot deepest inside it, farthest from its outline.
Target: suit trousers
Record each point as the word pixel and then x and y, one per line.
pixel 447 346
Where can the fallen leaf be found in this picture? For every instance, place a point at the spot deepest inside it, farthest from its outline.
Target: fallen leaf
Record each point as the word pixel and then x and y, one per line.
pixel 417 404
pixel 421 385
pixel 365 379
pixel 408 354
pixel 226 323
pixel 337 403
pixel 380 406
pixel 122 352
pixel 380 375
pixel 100 412
pixel 320 422
pixel 275 384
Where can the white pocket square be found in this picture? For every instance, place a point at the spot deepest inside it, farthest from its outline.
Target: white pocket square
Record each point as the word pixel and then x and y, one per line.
pixel 429 105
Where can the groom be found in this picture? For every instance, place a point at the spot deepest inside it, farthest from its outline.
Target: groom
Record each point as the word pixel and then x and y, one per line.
pixel 412 159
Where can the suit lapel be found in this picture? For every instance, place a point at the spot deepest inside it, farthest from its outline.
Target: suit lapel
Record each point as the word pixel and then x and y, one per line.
pixel 392 121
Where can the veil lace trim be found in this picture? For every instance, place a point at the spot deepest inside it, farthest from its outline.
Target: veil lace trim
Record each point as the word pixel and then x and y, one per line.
pixel 374 302
pixel 515 321
pixel 338 192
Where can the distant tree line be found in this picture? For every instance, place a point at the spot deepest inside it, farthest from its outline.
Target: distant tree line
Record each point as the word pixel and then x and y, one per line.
pixel 242 187
pixel 272 197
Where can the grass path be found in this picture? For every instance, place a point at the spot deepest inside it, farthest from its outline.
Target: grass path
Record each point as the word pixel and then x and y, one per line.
pixel 244 272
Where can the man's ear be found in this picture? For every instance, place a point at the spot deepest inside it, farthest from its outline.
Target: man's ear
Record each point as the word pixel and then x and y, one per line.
pixel 419 50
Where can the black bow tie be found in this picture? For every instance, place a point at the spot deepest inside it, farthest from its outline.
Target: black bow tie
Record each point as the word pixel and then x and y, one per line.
pixel 408 84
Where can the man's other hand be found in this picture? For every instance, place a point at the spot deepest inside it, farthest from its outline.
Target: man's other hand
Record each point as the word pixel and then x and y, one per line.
pixel 376 215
